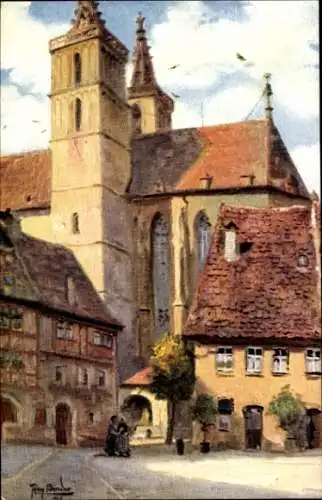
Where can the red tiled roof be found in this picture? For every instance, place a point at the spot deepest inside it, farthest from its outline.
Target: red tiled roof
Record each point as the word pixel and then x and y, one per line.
pixel 25 180
pixel 44 268
pixel 175 160
pixel 231 154
pixel 142 377
pixel 264 293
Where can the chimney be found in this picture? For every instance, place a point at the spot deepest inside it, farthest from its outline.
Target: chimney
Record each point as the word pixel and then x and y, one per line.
pixel 206 182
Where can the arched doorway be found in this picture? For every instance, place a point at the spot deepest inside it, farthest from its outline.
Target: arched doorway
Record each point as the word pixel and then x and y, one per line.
pixel 313 429
pixel 63 423
pixel 138 410
pixel 8 412
pixel 253 418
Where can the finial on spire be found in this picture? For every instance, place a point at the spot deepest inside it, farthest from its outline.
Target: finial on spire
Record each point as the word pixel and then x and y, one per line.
pixel 139 22
pixel 267 95
pixel 86 14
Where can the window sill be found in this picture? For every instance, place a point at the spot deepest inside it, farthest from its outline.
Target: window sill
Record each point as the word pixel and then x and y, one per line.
pixel 280 374
pixel 250 374
pixel 313 375
pixel 225 374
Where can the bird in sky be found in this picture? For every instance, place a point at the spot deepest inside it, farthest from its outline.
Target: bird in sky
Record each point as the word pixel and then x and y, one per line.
pixel 4 127
pixel 35 121
pixel 174 66
pixel 176 96
pixel 45 130
pixel 240 57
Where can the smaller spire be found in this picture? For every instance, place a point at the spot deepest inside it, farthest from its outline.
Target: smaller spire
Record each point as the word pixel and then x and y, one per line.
pixel 143 78
pixel 268 92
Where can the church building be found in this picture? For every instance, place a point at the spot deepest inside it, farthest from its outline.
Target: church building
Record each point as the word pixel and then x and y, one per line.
pixel 134 199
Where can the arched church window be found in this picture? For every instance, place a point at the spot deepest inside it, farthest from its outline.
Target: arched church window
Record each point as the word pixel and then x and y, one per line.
pixel 161 274
pixel 203 235
pixel 136 119
pixel 77 68
pixel 78 114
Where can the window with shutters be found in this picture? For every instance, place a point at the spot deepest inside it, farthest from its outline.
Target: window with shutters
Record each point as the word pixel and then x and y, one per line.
pixel 224 359
pixel 203 236
pixel 161 274
pixel 313 361
pixel 230 245
pixel 254 360
pixel 280 361
pixel 103 339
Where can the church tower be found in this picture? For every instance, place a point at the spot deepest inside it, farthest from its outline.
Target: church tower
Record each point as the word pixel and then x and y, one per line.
pixel 151 108
pixel 91 164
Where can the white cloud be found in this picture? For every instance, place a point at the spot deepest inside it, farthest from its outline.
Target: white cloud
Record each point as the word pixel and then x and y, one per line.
pixel 24 121
pixel 24 46
pixel 307 160
pixel 275 37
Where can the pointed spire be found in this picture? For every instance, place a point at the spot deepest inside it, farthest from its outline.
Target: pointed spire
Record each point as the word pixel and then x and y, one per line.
pixel 143 78
pixel 87 15
pixel 267 97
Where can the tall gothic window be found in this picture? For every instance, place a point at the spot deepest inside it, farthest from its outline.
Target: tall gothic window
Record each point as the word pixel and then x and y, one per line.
pixel 203 235
pixel 161 274
pixel 78 114
pixel 77 68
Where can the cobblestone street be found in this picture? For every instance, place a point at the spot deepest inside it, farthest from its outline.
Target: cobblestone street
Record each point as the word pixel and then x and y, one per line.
pixel 148 476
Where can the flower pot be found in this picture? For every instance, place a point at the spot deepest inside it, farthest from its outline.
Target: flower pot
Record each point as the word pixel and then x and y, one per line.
pixel 204 447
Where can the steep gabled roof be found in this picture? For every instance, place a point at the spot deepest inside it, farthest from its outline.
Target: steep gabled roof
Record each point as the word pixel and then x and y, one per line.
pixel 40 272
pixel 173 160
pixel 234 155
pixel 266 292
pixel 25 180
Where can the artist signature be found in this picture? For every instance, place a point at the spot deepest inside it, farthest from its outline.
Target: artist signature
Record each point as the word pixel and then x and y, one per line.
pixel 56 492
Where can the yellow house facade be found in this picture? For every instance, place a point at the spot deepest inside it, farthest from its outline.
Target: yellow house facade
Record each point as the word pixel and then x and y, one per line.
pixel 255 323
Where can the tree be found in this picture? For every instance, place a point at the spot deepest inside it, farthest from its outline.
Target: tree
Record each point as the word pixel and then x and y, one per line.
pixel 205 411
pixel 288 408
pixel 173 376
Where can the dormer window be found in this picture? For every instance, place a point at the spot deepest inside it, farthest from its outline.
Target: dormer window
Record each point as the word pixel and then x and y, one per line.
pixel 303 261
pixel 230 245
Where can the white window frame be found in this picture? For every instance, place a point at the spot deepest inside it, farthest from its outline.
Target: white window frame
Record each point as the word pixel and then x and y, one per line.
pixel 81 377
pixel 313 361
pixel 255 359
pixel 64 330
pixel 224 358
pixel 280 360
pixel 103 339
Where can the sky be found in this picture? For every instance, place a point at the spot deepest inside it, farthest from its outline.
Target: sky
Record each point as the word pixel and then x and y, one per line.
pixel 202 39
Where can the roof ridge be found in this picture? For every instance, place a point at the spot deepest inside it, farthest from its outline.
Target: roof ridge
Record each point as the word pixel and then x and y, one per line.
pixel 23 153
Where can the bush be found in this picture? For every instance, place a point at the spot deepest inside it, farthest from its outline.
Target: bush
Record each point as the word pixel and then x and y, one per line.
pixel 288 408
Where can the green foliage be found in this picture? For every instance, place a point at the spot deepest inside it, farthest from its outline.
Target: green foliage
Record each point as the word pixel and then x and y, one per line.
pixel 173 377
pixel 172 370
pixel 205 409
pixel 287 407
